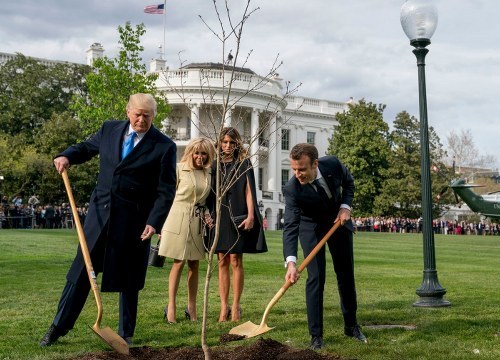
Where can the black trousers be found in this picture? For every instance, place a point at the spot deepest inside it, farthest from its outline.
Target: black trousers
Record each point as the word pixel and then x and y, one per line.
pixel 74 296
pixel 73 299
pixel 340 246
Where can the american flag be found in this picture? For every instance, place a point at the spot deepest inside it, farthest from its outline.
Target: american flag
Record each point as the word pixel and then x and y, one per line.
pixel 154 9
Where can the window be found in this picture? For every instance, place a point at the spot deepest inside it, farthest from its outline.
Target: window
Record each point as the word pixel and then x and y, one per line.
pixel 263 140
pixel 285 139
pixel 285 176
pixel 311 137
pixel 263 133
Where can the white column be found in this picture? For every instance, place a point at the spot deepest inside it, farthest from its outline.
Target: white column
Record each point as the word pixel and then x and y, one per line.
pixel 279 127
pixel 254 147
pixel 271 181
pixel 195 121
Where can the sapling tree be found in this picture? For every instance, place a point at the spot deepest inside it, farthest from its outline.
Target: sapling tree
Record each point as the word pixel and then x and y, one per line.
pixel 223 87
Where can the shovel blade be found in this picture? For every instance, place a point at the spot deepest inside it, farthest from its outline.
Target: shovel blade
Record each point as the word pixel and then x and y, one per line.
pixel 112 339
pixel 249 329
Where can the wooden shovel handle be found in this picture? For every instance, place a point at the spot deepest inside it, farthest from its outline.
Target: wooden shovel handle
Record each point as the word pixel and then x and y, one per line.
pixel 84 248
pixel 318 247
pixel 302 266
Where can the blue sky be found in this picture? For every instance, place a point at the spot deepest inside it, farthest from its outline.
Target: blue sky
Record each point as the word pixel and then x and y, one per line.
pixel 336 49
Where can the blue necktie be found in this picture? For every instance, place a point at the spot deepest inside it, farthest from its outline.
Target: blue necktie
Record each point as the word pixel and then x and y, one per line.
pixel 128 145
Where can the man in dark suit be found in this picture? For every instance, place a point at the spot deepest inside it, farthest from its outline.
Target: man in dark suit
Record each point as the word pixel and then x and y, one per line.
pixel 134 192
pixel 320 194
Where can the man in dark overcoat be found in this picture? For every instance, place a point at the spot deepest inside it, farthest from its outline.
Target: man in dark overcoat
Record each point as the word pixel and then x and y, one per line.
pixel 129 204
pixel 319 194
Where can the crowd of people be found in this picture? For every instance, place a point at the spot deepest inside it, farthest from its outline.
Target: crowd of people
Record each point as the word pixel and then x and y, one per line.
pixel 440 226
pixel 15 214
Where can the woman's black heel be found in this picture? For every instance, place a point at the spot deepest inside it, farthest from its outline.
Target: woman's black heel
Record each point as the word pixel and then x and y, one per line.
pixel 187 314
pixel 165 316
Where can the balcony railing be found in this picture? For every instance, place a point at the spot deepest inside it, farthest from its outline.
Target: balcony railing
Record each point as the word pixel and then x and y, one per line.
pixel 315 105
pixel 216 80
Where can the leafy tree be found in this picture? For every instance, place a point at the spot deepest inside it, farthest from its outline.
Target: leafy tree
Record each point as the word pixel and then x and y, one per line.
pixel 28 168
pixel 400 193
pixel 20 165
pixel 30 92
pixel 361 142
pixel 114 80
pixel 61 131
pixel 37 122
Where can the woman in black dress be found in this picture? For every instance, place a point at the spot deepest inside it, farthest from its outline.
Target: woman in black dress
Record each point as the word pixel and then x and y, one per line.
pixel 240 222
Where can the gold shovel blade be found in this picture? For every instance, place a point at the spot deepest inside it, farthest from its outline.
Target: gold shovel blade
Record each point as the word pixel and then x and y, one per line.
pixel 249 329
pixel 112 339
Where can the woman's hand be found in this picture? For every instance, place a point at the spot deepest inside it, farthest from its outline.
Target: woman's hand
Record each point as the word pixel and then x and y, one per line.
pixel 247 224
pixel 209 221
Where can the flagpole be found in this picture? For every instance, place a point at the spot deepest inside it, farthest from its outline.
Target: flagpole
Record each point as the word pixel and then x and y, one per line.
pixel 164 26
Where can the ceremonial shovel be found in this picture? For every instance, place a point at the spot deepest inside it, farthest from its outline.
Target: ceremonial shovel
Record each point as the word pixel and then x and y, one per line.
pixel 106 334
pixel 249 329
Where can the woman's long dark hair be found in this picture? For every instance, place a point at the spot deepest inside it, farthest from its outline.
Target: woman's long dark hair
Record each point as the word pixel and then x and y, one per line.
pixel 239 152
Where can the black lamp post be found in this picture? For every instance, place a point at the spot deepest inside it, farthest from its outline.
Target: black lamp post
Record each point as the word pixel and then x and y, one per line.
pixel 419 20
pixel 261 206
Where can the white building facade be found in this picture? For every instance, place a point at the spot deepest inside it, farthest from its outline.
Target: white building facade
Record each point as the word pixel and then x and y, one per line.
pixel 269 122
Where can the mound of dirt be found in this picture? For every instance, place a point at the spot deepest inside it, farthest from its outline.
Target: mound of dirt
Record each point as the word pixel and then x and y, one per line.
pixel 262 349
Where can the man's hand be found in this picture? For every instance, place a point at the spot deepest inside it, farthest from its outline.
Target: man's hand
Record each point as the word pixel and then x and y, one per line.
pixel 148 232
pixel 61 163
pixel 343 216
pixel 292 275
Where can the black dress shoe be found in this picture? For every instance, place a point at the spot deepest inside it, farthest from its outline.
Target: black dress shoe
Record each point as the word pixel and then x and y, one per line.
pixel 356 333
pixel 316 342
pixel 51 336
pixel 128 340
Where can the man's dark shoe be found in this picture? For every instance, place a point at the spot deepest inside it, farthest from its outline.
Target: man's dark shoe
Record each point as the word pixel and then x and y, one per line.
pixel 128 340
pixel 356 333
pixel 51 336
pixel 316 342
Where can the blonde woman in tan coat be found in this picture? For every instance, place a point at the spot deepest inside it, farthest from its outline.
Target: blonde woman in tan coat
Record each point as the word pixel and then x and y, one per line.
pixel 182 233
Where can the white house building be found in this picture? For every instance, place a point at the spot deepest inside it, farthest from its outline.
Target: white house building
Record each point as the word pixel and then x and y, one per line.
pixel 269 122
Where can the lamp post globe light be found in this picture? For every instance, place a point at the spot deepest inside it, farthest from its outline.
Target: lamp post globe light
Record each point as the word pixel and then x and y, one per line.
pixel 419 20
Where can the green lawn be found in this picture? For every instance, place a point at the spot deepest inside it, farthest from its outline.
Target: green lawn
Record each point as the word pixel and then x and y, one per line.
pixel 33 264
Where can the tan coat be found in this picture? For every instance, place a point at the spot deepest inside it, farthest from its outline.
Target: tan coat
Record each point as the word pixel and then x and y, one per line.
pixel 181 236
